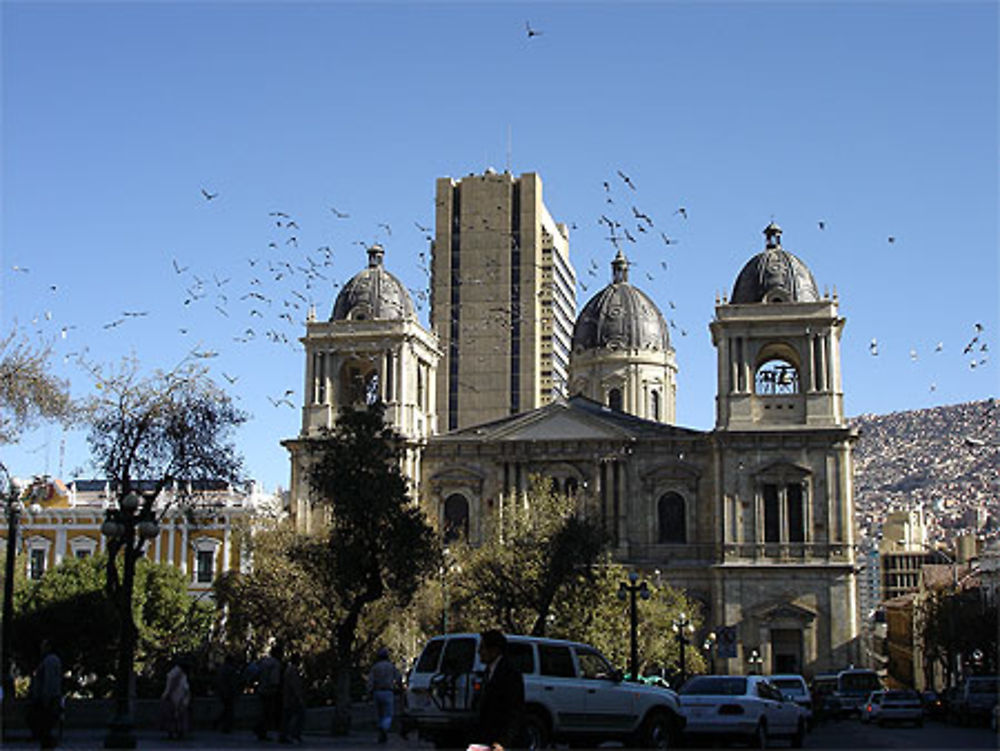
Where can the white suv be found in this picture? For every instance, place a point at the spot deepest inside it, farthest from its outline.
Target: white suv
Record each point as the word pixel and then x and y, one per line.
pixel 571 693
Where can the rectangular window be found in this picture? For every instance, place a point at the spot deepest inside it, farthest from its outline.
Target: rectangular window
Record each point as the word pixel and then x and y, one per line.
pixel 772 522
pixel 522 655
pixel 205 566
pixel 795 514
pixel 36 563
pixel 459 655
pixel 555 661
pixel 83 553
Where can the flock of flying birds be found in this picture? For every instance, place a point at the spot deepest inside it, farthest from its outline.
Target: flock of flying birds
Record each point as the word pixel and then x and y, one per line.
pixel 269 300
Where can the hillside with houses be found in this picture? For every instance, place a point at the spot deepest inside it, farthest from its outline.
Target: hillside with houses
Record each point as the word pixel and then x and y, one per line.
pixel 943 458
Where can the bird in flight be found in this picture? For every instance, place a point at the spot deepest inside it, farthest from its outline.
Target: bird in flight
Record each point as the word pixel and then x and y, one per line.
pixel 683 212
pixel 339 214
pixel 178 268
pixel 822 224
pixel 625 179
pixel 531 32
pixel 873 347
pixel 892 239
pixel 208 196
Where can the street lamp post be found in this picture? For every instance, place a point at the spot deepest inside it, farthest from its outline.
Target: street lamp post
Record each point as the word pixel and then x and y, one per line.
pixel 709 647
pixel 127 529
pixel 12 506
pixel 683 628
pixel 631 589
pixel 755 661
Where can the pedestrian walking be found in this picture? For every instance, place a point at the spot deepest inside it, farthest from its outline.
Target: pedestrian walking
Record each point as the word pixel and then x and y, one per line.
pixel 269 692
pixel 293 702
pixel 228 684
pixel 45 704
pixel 501 703
pixel 383 683
pixel 175 702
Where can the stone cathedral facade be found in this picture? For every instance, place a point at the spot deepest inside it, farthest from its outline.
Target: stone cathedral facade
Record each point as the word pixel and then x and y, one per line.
pixel 754 518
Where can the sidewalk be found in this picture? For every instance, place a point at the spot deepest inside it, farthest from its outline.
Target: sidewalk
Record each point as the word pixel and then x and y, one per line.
pixel 93 738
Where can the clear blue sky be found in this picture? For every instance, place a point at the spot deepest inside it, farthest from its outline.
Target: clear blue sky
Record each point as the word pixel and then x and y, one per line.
pixel 878 119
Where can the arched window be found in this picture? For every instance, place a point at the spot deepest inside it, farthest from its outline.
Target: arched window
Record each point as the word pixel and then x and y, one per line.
pixel 615 399
pixel 571 486
pixel 777 377
pixel 654 404
pixel 359 383
pixel 456 518
pixel 670 513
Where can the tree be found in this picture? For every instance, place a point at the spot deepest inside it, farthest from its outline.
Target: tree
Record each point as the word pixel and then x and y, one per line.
pixel 168 620
pixel 595 615
pixel 29 391
pixel 378 546
pixel 537 554
pixel 958 624
pixel 167 428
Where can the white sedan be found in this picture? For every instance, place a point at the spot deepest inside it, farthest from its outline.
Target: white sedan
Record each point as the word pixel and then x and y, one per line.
pixel 740 707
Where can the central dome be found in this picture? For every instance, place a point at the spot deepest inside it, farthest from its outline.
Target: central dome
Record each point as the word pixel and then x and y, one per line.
pixel 620 316
pixel 373 293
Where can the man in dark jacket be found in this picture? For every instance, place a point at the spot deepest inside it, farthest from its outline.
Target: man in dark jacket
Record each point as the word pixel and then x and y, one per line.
pixel 501 703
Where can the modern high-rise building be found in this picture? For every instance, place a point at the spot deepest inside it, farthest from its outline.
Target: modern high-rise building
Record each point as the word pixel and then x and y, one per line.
pixel 503 298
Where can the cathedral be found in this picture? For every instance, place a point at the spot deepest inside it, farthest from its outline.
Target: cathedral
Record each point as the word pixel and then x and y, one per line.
pixel 753 519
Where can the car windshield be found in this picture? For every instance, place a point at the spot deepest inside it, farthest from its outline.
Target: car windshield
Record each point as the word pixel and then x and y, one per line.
pixel 713 685
pixel 789 686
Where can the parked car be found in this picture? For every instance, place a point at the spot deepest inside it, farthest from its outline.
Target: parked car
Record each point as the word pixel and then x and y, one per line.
pixel 872 707
pixel 572 694
pixel 823 687
pixel 974 700
pixel 934 706
pixel 740 707
pixel 794 687
pixel 901 706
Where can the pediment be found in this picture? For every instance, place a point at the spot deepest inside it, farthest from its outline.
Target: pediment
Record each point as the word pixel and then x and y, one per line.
pixel 785 611
pixel 559 425
pixel 456 478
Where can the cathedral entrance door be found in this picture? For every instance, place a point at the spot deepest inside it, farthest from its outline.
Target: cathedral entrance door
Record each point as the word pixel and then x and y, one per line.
pixel 786 650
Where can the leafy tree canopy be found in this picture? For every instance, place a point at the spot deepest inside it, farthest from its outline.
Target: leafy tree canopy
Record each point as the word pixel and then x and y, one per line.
pixel 535 554
pixel 29 391
pixel 70 607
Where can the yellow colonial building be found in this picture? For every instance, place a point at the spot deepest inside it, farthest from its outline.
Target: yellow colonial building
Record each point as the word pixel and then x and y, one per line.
pixel 201 536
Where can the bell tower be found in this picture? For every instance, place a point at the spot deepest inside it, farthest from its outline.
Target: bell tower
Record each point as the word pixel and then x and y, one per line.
pixel 778 345
pixel 373 348
pixel 786 494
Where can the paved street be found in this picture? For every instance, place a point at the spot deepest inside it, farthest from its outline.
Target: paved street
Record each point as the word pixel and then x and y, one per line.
pixel 846 734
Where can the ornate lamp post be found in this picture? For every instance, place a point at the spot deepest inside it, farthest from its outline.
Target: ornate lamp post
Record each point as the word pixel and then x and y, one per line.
pixel 631 589
pixel 755 661
pixel 683 628
pixel 127 529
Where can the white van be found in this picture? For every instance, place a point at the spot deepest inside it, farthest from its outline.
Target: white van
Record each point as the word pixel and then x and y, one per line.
pixel 572 693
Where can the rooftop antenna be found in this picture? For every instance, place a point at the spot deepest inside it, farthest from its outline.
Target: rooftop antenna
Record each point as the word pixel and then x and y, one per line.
pixel 508 148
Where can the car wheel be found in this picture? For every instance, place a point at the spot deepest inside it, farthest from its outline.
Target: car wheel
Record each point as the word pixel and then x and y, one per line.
pixel 759 738
pixel 657 731
pixel 536 732
pixel 800 735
